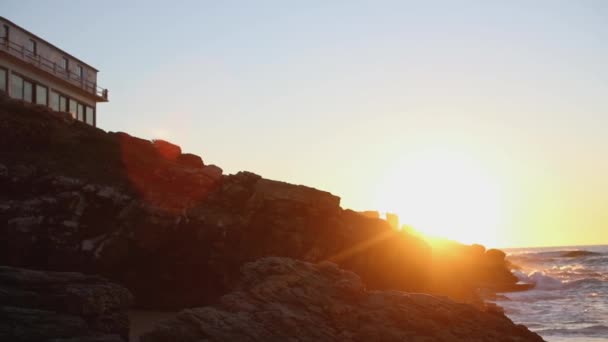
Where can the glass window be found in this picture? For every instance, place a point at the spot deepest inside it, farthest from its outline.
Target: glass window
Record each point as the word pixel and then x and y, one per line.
pixel 63 104
pixel 28 91
pixel 4 38
pixel 79 71
pixel 80 111
pixel 90 119
pixel 54 101
pixel 31 46
pixel 64 63
pixel 16 87
pixel 4 32
pixel 41 94
pixel 3 74
pixel 73 108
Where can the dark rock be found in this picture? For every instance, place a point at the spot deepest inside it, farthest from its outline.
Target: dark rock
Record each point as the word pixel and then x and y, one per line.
pixel 190 160
pixel 166 149
pixel 496 255
pixel 61 306
pixel 280 299
pixel 20 324
pixel 73 197
pixel 104 338
pixel 212 172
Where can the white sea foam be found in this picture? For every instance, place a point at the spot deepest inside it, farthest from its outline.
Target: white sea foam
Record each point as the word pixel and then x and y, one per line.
pixel 540 279
pixel 570 299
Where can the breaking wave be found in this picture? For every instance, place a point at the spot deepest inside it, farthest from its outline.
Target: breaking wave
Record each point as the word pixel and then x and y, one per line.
pixel 540 279
pixel 589 331
pixel 569 301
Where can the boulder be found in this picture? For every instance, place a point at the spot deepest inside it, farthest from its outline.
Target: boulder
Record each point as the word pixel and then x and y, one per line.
pixel 190 160
pixel 281 299
pixel 495 256
pixel 212 172
pixel 166 149
pixel 43 306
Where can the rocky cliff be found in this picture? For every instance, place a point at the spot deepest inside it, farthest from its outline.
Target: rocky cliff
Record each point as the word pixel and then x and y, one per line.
pixel 176 231
pixel 280 299
pixel 162 222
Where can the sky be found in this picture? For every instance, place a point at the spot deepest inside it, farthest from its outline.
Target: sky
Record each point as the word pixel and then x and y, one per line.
pixel 481 121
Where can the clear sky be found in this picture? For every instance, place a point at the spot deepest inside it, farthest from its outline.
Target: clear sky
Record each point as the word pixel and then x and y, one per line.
pixel 483 121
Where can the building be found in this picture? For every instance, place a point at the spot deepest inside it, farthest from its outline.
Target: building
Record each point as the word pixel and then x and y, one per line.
pixel 36 71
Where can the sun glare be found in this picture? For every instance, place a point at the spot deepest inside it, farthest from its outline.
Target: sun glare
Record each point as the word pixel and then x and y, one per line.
pixel 444 194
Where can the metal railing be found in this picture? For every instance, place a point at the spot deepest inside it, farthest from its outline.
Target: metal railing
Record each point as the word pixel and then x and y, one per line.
pixel 51 67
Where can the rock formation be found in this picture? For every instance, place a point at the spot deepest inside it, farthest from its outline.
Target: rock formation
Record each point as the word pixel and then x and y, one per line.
pixel 37 306
pixel 457 268
pixel 281 299
pixel 175 231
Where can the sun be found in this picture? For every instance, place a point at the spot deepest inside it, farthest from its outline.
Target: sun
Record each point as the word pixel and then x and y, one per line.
pixel 445 194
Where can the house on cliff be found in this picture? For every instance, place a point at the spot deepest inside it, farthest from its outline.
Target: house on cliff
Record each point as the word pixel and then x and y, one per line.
pixel 36 71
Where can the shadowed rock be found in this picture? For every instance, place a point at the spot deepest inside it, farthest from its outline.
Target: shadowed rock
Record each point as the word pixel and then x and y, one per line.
pixel 281 299
pixel 191 160
pixel 75 198
pixel 42 306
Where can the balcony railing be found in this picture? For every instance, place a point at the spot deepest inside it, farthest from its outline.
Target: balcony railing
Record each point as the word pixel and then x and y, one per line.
pixel 22 53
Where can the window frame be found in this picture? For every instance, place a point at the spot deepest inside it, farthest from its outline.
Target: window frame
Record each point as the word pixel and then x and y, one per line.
pixel 34 47
pixel 24 80
pixel 93 116
pixel 80 111
pixel 50 104
pixel 6 31
pixel 12 78
pixel 74 113
pixel 66 102
pixel 65 63
pixel 32 86
pixel 36 95
pixel 6 77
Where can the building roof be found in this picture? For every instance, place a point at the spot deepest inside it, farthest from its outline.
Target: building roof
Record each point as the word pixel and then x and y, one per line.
pixel 50 44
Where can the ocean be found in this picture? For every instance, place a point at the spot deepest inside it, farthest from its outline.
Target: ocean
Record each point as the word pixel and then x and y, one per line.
pixel 570 300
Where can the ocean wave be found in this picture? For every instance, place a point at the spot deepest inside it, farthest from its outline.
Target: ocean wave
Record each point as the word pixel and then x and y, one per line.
pixel 574 272
pixel 568 302
pixel 527 297
pixel 544 281
pixel 560 269
pixel 586 282
pixel 590 331
pixel 597 260
pixel 579 254
pixel 550 255
pixel 540 279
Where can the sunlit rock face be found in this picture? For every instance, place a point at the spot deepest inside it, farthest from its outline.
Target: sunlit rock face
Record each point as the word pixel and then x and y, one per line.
pixel 279 299
pixel 456 268
pixel 174 230
pixel 40 306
